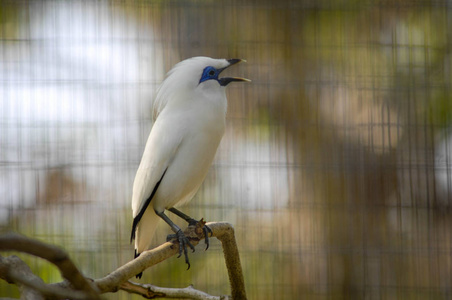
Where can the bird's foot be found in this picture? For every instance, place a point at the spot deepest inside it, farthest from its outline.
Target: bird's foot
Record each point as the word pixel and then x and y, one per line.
pixel 183 242
pixel 205 229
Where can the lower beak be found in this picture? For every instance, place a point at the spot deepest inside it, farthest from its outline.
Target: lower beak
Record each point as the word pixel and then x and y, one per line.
pixel 227 80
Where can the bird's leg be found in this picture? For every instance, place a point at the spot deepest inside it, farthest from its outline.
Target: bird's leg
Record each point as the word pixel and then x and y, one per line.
pixel 179 234
pixel 192 221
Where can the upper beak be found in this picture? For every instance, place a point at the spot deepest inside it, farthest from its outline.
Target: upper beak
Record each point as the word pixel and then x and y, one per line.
pixel 226 80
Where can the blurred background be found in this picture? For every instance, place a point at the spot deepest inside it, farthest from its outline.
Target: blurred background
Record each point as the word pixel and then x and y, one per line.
pixel 335 169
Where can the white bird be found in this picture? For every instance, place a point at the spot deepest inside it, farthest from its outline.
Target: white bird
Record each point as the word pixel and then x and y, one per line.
pixel 189 121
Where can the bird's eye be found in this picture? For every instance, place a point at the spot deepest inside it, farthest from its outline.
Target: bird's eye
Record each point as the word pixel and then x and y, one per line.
pixel 208 73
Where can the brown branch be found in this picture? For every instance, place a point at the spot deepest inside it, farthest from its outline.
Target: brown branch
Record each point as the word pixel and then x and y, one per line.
pixel 140 289
pixel 221 230
pixel 118 279
pixel 14 270
pixel 150 291
pixel 147 259
pixel 53 254
pixel 225 233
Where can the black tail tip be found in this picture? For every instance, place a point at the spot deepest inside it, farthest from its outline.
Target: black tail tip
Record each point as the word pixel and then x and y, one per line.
pixel 141 273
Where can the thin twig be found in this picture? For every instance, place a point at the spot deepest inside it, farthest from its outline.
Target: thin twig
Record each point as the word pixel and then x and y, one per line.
pixel 150 291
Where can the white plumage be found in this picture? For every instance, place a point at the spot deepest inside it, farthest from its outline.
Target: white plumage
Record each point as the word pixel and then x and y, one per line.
pixel 189 122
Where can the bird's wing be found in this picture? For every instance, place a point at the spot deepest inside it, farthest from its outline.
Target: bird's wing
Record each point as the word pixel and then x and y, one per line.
pixel 158 153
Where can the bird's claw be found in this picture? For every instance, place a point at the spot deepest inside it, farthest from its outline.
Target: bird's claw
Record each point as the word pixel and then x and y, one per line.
pixel 205 229
pixel 183 242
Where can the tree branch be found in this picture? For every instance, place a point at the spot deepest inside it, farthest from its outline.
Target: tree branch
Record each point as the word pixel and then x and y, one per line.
pixel 14 270
pixel 150 291
pixel 225 233
pixel 53 254
pixel 118 279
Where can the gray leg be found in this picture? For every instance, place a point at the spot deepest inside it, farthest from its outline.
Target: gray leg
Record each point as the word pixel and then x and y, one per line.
pixel 183 240
pixel 183 216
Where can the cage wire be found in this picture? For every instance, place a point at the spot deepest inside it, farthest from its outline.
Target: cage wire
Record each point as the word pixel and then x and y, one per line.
pixel 335 168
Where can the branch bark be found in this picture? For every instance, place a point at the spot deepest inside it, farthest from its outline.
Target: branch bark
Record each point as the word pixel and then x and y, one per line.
pixel 14 270
pixel 118 279
pixel 53 254
pixel 225 233
pixel 150 291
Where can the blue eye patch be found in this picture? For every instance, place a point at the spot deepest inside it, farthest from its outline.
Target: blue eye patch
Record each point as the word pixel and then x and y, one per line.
pixel 209 73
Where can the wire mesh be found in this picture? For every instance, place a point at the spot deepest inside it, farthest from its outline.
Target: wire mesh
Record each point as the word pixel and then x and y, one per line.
pixel 335 168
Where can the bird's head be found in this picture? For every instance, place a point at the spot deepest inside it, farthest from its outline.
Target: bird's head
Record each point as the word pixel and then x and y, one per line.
pixel 199 71
pixel 212 70
pixel 198 75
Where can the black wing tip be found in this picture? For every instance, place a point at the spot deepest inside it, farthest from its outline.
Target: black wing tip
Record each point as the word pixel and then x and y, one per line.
pixel 138 217
pixel 134 227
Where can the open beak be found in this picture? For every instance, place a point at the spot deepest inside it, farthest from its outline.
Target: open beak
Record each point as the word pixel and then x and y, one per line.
pixel 227 80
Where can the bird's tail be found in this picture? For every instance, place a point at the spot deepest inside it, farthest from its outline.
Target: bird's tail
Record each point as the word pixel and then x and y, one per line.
pixel 141 273
pixel 144 232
